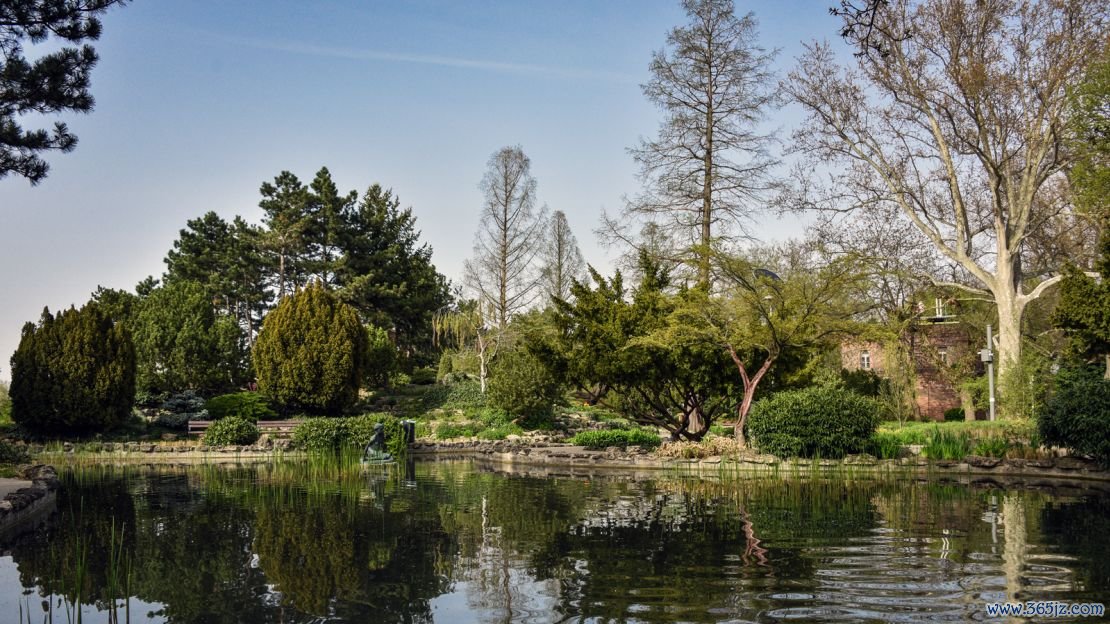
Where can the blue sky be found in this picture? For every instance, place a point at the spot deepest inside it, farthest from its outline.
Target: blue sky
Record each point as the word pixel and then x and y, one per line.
pixel 199 102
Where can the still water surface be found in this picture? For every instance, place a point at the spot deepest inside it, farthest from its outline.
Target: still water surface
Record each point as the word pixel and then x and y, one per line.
pixel 455 542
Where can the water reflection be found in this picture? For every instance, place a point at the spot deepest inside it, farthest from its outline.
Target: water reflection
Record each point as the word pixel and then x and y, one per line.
pixel 298 542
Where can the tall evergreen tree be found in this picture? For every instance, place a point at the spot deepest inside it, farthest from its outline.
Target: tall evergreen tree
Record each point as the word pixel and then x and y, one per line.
pixel 328 212
pixel 182 343
pixel 312 352
pixel 53 82
pixel 285 203
pixel 74 372
pixel 387 273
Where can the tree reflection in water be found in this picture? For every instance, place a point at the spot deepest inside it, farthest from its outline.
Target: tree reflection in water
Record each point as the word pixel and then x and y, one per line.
pixel 300 541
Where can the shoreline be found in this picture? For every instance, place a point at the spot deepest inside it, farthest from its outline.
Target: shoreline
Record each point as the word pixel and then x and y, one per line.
pixel 614 460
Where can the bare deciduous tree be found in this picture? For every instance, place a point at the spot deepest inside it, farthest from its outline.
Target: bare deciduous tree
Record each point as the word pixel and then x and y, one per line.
pixel 960 126
pixel 561 258
pixel 708 169
pixel 502 272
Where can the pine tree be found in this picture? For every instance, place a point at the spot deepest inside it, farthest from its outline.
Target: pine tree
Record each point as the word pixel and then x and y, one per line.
pixel 50 82
pixel 312 352
pixel 74 372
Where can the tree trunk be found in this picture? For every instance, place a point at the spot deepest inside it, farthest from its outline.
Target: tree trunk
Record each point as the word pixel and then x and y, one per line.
pixel 1107 373
pixel 967 404
pixel 1010 303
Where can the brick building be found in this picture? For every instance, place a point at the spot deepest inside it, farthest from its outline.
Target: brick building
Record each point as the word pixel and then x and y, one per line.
pixel 942 351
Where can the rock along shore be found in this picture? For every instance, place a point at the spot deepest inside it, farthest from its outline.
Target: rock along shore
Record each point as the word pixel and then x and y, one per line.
pixel 540 454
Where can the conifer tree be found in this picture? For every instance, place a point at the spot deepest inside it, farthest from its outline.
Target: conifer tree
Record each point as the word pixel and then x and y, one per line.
pixel 73 372
pixel 312 352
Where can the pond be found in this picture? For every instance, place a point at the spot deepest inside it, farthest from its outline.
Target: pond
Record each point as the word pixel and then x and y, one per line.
pixel 460 542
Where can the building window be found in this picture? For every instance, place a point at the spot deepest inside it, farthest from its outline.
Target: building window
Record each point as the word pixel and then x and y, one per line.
pixel 865 360
pixel 942 354
pixel 940 311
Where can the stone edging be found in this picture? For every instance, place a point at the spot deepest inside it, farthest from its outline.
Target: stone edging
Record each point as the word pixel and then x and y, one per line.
pixel 23 504
pixel 615 458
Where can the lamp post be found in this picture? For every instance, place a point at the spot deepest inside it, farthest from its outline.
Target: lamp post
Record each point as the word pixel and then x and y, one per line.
pixel 988 357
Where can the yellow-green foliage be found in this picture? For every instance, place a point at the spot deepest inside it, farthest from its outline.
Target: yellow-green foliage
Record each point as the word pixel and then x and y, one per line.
pixel 312 352
pixel 73 372
pixel 231 430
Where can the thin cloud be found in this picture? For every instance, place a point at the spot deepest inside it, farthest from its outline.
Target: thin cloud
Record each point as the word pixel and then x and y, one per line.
pixel 357 54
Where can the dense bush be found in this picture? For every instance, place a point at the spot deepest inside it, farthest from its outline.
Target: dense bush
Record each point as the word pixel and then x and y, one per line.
pixel 1077 416
pixel 520 384
pixel 5 403
pixel 863 382
pixel 820 421
pixel 320 434
pixel 445 366
pixel 181 342
pixel 231 430
pixel 178 420
pixel 330 435
pixel 381 357
pixel 953 414
pixel 423 376
pixel 600 439
pixel 74 372
pixel 460 395
pixel 11 453
pixel 251 406
pixel 183 403
pixel 312 352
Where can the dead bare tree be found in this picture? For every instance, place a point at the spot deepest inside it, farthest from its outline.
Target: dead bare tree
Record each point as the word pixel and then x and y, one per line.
pixel 561 259
pixel 960 126
pixel 502 273
pixel 709 168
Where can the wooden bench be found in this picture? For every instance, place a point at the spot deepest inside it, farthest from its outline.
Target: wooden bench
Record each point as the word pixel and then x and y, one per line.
pixel 264 426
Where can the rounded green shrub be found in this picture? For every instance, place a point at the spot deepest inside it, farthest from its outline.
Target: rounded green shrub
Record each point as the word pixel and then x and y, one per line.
pixel 954 414
pixel 604 438
pixel 381 357
pixel 520 384
pixel 445 366
pixel 73 372
pixel 312 352
pixel 820 421
pixel 320 434
pixel 251 406
pixel 231 431
pixel 1077 416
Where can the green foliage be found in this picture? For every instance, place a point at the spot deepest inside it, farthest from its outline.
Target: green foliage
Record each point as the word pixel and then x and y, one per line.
pixel 331 435
pixel 446 366
pixel 814 422
pixel 885 445
pixel 1090 139
pixel 866 383
pixel 251 406
pixel 231 431
pixel 1025 386
pixel 599 439
pixel 1077 416
pixel 460 395
pixel 953 413
pixel 423 376
pixel 12 453
pixel 946 444
pixel 74 372
pixel 521 384
pixel 387 273
pixel 381 358
pixel 320 434
pixel 50 82
pixel 311 353
pixel 1083 311
pixel 178 420
pixel 5 404
pixel 993 446
pixel 181 343
pixel 1014 431
pixel 649 352
pixel 183 402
